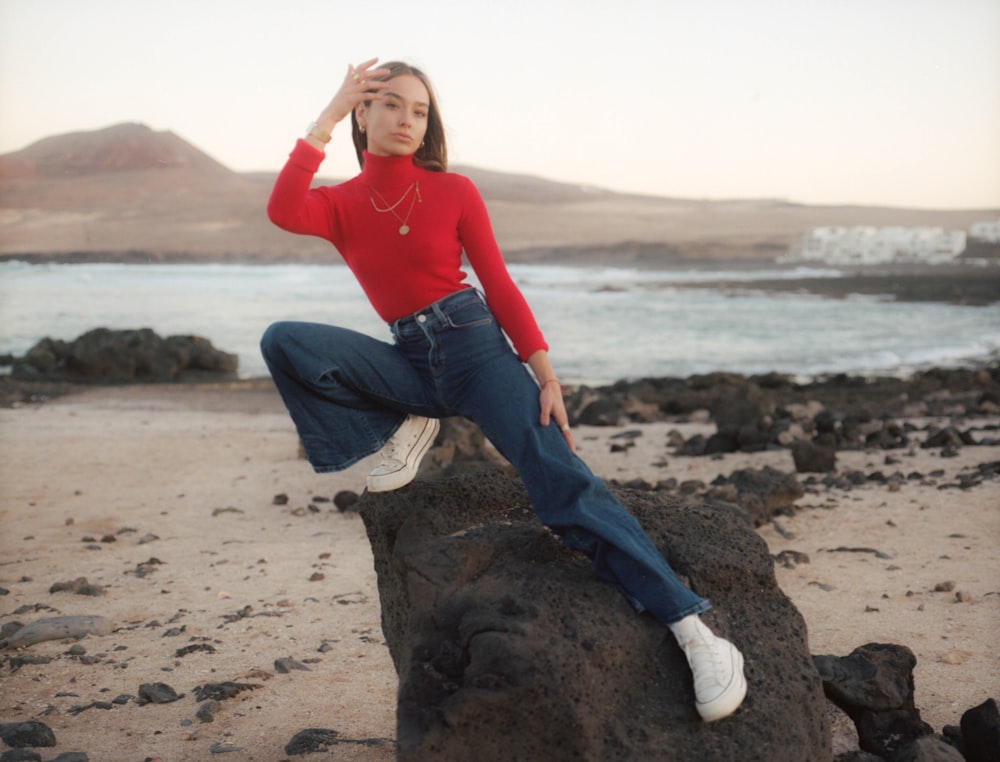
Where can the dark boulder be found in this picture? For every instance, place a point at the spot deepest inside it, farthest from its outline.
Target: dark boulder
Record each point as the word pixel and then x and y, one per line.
pixel 928 749
pixel 459 444
pixel 810 457
pixel 744 418
pixel 981 732
pixel 874 686
pixel 108 356
pixel 508 648
pixel 762 493
pixel 20 735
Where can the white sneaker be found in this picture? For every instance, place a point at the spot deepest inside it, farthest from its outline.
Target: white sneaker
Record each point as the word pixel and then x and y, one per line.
pixel 402 454
pixel 717 666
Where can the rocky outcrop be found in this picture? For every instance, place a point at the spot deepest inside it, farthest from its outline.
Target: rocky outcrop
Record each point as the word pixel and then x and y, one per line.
pixel 874 686
pixel 122 356
pixel 508 648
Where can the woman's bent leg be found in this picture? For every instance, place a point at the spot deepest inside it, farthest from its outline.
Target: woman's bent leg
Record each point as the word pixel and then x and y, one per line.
pixel 346 392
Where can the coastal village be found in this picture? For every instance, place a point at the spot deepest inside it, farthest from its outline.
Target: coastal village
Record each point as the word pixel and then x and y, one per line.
pixel 865 245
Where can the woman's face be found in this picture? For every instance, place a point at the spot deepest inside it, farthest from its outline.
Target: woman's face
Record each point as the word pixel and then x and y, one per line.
pixel 396 124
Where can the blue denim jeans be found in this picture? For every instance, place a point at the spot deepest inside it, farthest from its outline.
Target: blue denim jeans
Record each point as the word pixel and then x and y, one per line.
pixel 347 393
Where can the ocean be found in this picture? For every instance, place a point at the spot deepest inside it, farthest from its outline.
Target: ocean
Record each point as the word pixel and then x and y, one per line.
pixel 603 324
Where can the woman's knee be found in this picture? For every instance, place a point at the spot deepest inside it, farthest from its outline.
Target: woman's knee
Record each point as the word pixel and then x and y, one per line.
pixel 274 338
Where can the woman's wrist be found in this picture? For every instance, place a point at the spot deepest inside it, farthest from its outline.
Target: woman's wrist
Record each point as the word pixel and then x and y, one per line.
pixel 552 380
pixel 320 132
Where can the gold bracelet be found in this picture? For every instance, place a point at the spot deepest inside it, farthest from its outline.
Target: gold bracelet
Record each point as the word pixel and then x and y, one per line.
pixel 317 132
pixel 549 381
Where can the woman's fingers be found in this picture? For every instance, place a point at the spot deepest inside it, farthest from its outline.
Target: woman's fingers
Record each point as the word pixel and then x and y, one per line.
pixel 554 410
pixel 362 76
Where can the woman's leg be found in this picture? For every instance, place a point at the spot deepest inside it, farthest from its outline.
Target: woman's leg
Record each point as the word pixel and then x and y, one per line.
pixel 346 392
pixel 487 383
pixel 503 399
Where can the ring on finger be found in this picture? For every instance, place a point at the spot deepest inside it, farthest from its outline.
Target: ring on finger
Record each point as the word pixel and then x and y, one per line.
pixel 357 77
pixel 565 427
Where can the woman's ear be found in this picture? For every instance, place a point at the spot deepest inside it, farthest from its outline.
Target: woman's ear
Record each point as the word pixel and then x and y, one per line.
pixel 361 114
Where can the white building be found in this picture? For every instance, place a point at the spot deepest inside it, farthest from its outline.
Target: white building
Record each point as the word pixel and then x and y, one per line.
pixel 874 246
pixel 985 231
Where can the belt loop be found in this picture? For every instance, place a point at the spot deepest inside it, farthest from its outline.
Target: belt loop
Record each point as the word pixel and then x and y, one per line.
pixel 436 308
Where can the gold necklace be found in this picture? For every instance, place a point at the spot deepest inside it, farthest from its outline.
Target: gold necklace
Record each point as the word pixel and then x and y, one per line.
pixel 404 228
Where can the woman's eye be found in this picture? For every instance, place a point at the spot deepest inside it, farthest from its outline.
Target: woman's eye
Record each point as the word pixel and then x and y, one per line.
pixel 421 114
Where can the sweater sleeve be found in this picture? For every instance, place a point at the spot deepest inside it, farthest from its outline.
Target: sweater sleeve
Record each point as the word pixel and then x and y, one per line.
pixel 502 294
pixel 293 205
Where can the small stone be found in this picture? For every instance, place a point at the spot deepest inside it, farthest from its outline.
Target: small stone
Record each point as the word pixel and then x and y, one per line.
pixel 963 596
pixel 311 740
pixel 952 657
pixel 156 693
pixel 346 500
pixel 944 587
pixel 287 664
pixel 206 712
pixel 80 586
pixel 280 499
pixel 56 628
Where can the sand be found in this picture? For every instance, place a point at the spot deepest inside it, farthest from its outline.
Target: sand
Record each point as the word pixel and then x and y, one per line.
pixel 183 479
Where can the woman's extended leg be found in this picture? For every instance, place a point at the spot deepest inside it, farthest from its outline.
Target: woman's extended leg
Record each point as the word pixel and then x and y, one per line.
pixel 503 399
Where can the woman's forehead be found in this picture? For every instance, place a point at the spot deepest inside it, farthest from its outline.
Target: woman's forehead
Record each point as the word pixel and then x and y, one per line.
pixel 408 88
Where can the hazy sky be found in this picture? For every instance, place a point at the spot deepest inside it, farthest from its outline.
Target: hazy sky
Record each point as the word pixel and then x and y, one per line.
pixel 892 102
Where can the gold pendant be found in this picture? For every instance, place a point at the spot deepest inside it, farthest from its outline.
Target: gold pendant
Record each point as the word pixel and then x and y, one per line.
pixel 404 229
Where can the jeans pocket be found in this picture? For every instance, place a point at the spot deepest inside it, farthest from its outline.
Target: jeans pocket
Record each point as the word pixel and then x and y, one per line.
pixel 470 316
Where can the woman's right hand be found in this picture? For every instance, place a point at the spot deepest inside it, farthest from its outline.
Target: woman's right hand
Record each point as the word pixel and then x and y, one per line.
pixel 359 85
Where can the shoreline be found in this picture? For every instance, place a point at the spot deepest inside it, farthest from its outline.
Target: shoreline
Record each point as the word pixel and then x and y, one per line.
pixel 971 283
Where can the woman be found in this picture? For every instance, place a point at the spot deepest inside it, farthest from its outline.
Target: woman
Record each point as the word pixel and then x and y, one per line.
pixel 402 225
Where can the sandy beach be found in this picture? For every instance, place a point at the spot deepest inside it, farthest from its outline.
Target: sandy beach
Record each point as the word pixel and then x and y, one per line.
pixel 167 499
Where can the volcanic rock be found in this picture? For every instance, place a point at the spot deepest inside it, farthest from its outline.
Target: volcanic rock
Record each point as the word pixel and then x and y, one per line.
pixel 106 356
pixel 874 686
pixel 507 646
pixel 812 457
pixel 981 732
pixel 23 734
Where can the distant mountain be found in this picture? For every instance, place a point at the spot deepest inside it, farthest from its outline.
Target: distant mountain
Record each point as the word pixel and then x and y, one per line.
pixel 129 192
pixel 121 148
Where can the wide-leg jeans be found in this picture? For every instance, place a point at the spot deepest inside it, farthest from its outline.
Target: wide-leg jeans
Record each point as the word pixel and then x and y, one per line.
pixel 347 393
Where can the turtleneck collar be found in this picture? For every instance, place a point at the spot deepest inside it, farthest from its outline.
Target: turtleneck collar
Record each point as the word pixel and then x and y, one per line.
pixel 389 171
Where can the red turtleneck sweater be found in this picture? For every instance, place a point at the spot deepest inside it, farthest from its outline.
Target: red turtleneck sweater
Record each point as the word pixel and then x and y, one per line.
pixel 402 274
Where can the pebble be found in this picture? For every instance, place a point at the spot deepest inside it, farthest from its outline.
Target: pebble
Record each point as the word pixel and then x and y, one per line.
pixel 206 712
pixel 346 500
pixel 80 586
pixel 156 693
pixel 58 627
pixel 287 664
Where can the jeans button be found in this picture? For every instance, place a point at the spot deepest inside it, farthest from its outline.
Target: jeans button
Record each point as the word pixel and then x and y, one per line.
pixel 421 318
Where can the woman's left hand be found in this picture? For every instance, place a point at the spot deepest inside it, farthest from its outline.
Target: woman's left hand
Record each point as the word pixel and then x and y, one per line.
pixel 554 409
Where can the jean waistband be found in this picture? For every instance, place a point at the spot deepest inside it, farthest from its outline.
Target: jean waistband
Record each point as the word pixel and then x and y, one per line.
pixel 441 309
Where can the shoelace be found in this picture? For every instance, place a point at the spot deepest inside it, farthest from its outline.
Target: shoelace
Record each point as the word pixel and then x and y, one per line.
pixel 710 665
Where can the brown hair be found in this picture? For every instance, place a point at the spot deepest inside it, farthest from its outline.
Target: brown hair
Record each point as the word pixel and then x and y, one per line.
pixel 433 152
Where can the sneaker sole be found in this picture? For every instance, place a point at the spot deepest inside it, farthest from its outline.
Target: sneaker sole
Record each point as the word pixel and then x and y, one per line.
pixel 405 475
pixel 731 698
